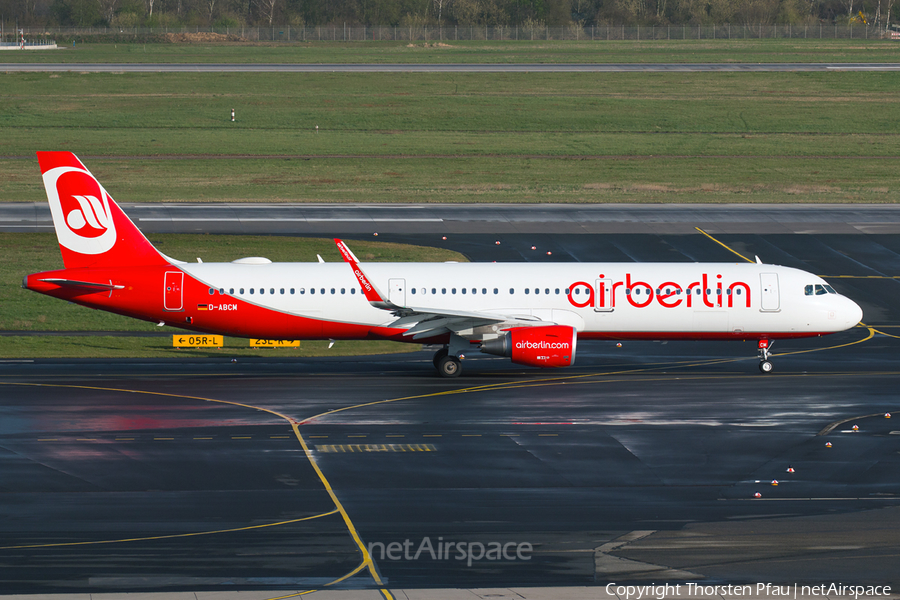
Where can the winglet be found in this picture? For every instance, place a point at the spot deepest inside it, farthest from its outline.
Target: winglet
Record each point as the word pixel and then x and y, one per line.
pixel 371 292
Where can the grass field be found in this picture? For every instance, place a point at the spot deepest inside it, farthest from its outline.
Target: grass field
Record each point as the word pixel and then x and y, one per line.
pixel 26 311
pixel 613 137
pixel 600 51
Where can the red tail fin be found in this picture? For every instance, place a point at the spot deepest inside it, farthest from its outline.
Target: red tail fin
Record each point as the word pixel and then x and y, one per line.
pixel 91 228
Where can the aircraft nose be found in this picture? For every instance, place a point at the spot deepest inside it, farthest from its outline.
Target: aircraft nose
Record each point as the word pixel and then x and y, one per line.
pixel 854 313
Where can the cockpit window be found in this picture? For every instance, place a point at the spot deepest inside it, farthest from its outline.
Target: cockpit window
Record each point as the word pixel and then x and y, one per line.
pixel 818 290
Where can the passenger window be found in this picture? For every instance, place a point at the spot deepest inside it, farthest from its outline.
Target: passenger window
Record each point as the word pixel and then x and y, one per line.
pixel 251 290
pixel 332 291
pixel 282 291
pixel 463 291
pixel 302 291
pixel 231 291
pixel 413 290
pixel 434 291
pixel 484 291
pixel 322 291
pixel 343 290
pixel 557 291
pixel 738 291
pixel 512 291
pixel 242 290
pixel 443 290
pixel 312 290
pixel 547 291
pixel 211 291
pixel 292 291
pixel 527 290
pixel 453 291
pixel 352 290
pixel 568 291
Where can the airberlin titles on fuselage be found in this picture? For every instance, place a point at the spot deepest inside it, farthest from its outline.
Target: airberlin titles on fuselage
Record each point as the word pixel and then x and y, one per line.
pixel 668 294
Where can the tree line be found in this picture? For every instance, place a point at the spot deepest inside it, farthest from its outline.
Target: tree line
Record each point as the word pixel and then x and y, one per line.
pixel 437 13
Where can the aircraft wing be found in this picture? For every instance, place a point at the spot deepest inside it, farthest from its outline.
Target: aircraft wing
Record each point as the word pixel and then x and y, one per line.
pixel 427 322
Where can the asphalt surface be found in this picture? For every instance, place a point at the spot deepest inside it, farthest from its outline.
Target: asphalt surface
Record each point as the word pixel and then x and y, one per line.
pixel 562 219
pixel 443 68
pixel 641 463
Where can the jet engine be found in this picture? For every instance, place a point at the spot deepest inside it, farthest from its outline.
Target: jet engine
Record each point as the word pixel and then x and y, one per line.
pixel 548 346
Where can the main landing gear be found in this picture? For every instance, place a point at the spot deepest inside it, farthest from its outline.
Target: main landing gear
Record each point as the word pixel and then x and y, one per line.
pixel 765 365
pixel 448 360
pixel 447 366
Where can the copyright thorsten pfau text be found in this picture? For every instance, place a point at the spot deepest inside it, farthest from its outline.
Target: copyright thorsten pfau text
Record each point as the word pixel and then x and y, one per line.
pixel 822 590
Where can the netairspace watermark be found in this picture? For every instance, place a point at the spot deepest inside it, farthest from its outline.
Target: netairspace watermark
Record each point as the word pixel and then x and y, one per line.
pixel 441 550
pixel 668 590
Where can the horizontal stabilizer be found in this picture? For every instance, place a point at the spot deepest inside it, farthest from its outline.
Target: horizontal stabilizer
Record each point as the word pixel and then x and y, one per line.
pixel 82 284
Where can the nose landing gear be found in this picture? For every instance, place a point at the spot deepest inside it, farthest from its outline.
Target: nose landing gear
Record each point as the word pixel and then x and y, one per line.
pixel 765 365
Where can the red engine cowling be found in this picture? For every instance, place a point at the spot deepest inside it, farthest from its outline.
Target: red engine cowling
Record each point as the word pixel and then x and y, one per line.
pixel 548 346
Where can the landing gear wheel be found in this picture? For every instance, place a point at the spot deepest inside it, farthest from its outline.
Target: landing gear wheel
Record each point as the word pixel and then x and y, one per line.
pixel 438 356
pixel 449 366
pixel 765 366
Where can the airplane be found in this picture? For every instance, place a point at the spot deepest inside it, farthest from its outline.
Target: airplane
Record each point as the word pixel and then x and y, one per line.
pixel 534 314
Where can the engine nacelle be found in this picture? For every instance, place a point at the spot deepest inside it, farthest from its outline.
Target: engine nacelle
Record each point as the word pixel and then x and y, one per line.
pixel 548 346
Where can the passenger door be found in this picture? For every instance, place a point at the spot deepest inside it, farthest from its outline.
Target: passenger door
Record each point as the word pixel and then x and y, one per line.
pixel 769 298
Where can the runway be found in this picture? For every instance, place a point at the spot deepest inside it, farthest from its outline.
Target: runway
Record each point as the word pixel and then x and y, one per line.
pixel 563 219
pixel 444 68
pixel 639 464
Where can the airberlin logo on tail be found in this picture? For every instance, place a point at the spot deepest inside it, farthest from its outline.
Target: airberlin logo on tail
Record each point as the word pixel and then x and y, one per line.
pixel 80 209
pixel 89 219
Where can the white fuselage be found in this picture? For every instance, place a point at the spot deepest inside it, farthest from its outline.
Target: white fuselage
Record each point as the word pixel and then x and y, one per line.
pixel 607 299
